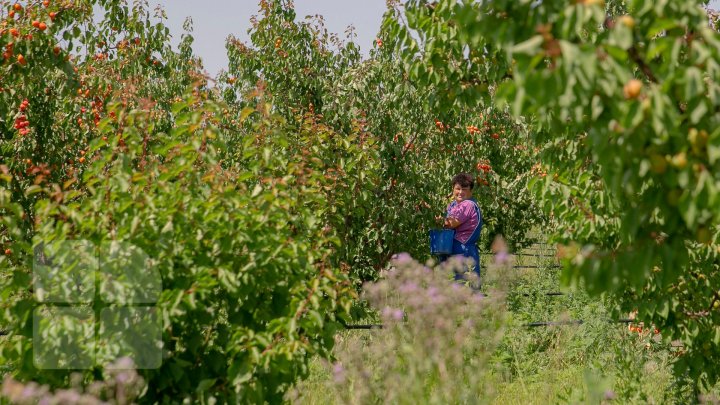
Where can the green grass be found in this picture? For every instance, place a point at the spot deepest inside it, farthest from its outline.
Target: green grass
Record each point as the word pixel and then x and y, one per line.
pixel 597 362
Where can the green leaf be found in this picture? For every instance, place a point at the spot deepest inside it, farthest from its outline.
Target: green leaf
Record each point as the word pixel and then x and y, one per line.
pixel 699 112
pixel 528 47
pixel 205 385
pixel 621 36
pixel 256 191
pixel 664 309
pixel 693 83
pixel 245 113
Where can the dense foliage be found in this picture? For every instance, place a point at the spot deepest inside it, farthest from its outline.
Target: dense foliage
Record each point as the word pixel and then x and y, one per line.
pixel 415 153
pixel 625 106
pixel 259 204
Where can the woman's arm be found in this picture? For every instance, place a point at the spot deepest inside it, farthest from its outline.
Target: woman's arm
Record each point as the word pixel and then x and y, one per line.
pixel 451 223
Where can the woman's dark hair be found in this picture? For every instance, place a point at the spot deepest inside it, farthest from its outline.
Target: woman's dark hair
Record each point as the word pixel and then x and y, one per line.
pixel 464 180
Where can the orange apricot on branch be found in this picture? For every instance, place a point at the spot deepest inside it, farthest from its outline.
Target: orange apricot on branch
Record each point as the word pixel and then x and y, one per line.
pixel 627 21
pixel 632 89
pixel 679 161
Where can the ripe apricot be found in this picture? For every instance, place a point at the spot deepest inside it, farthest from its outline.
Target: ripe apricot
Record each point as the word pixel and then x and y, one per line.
pixel 17 7
pixel 627 21
pixel 679 160
pixel 42 26
pixel 698 139
pixel 632 89
pixel 21 60
pixel 52 15
pixel 8 252
pixel 81 160
pixel 36 24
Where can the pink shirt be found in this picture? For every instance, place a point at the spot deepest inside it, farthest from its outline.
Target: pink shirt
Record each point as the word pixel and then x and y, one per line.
pixel 465 213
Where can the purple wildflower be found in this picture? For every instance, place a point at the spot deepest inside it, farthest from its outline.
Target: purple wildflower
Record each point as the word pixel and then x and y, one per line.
pixel 338 372
pixel 478 297
pixel 402 258
pixel 28 392
pixel 502 257
pixel 408 287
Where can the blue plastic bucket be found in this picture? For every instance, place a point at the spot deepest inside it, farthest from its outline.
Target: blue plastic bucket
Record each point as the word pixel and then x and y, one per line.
pixel 441 241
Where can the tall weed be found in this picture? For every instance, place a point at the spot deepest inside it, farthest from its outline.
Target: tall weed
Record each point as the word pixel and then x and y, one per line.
pixel 437 339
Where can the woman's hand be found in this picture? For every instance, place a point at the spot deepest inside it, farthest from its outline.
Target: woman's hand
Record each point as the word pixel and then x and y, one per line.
pixel 451 223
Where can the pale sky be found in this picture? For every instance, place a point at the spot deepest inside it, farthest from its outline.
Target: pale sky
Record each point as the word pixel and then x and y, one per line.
pixel 214 20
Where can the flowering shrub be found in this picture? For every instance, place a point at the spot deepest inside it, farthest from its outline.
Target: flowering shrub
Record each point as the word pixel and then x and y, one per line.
pixel 437 339
pixel 122 385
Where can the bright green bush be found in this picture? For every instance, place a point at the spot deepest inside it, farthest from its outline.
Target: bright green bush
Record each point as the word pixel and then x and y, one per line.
pixel 625 109
pixel 417 149
pixel 248 290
